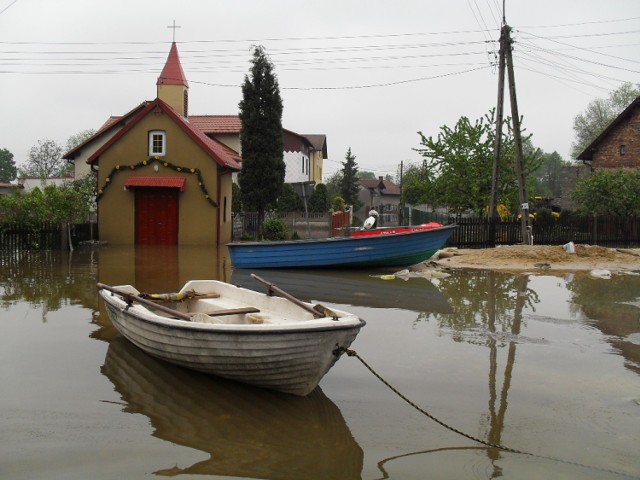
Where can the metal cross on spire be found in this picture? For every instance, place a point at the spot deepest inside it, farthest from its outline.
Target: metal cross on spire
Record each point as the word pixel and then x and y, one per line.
pixel 174 30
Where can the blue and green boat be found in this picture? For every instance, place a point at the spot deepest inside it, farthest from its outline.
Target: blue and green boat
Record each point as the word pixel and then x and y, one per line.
pixel 376 250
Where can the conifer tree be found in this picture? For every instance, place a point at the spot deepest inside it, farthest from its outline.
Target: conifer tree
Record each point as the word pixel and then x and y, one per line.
pixel 263 168
pixel 350 183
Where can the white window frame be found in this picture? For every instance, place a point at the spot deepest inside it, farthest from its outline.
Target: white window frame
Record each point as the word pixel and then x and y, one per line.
pixel 152 136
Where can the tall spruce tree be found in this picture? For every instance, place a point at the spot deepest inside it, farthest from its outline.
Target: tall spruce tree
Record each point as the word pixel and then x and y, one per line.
pixel 350 183
pixel 8 169
pixel 263 168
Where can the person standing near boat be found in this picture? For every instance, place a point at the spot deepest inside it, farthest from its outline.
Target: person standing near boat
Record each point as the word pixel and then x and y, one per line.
pixel 372 221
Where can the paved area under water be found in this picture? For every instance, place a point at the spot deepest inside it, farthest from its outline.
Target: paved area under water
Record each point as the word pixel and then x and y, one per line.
pixel 548 365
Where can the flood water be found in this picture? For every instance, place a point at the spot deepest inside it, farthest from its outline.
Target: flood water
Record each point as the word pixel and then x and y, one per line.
pixel 547 365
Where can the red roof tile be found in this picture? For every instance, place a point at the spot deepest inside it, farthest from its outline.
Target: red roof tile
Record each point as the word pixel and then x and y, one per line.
pixel 156 181
pixel 217 123
pixel 172 73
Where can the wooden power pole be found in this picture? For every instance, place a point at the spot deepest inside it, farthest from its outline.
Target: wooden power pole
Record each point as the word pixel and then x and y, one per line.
pixel 506 58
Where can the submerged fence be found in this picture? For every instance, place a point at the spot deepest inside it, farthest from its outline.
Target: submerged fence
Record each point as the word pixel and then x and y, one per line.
pixel 44 236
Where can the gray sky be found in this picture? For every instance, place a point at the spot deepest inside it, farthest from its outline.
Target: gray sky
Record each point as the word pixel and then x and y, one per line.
pixel 368 74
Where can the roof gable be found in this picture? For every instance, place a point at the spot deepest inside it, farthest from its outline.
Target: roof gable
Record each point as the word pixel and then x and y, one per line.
pixel 588 152
pixel 112 121
pixel 223 155
pixel 384 186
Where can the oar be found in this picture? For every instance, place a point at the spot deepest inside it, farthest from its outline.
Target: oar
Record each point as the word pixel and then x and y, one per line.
pixel 291 298
pixel 131 297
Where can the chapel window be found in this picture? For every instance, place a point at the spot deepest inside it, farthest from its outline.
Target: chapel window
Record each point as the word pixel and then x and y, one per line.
pixel 157 143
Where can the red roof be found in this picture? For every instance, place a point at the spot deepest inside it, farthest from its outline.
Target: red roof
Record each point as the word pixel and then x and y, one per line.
pixel 223 155
pixel 385 186
pixel 172 73
pixel 217 123
pixel 155 181
pixel 111 122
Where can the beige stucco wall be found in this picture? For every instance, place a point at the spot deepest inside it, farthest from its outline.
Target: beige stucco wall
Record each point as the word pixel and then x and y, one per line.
pixel 173 95
pixel 231 140
pixel 316 166
pixel 198 219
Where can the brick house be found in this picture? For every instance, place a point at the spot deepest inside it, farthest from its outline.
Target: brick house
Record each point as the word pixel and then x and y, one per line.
pixel 618 146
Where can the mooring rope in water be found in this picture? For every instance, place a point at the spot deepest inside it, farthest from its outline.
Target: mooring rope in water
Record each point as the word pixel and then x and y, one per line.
pixel 353 353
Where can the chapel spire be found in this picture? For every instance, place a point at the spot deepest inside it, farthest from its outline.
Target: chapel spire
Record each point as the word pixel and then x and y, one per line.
pixel 172 84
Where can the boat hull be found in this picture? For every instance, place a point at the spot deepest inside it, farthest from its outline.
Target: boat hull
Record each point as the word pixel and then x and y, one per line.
pixel 289 358
pixel 385 250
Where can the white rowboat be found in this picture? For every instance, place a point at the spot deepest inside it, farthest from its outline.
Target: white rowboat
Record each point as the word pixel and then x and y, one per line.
pixel 236 333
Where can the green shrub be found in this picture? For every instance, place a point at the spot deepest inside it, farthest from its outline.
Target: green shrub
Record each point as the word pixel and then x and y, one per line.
pixel 274 229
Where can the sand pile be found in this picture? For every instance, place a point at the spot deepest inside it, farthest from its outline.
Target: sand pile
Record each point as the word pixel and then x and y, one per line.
pixel 541 257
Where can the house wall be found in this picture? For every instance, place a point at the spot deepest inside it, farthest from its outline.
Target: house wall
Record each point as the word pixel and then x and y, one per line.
pixel 231 140
pixel 317 163
pixel 297 167
pixel 387 206
pixel 296 158
pixel 626 133
pixel 569 177
pixel 81 167
pixel 29 183
pixel 174 95
pixel 197 217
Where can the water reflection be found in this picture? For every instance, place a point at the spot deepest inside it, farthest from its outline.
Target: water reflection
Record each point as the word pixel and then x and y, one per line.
pixel 48 279
pixel 162 268
pixel 490 309
pixel 352 287
pixel 248 432
pixel 256 433
pixel 614 308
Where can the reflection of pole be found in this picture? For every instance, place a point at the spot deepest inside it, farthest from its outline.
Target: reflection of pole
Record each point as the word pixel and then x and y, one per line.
pixel 497 416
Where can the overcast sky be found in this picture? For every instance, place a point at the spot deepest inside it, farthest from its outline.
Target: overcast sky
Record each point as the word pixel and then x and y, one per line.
pixel 368 74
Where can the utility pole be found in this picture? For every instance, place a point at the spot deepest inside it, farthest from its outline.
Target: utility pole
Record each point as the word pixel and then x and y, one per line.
pixel 401 212
pixel 497 149
pixel 527 236
pixel 506 58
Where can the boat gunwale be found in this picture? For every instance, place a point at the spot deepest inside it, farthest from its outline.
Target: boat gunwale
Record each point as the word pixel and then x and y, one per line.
pixel 232 328
pixel 366 238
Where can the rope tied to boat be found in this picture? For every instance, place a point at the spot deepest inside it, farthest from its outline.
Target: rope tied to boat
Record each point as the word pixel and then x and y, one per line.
pixel 353 353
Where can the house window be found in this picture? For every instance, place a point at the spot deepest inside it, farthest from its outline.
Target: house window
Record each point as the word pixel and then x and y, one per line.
pixel 623 149
pixel 157 143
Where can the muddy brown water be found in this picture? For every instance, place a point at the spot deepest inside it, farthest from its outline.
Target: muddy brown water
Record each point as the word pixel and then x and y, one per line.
pixel 547 365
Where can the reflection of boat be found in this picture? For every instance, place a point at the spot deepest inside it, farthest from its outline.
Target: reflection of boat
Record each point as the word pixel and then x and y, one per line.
pixel 240 334
pixel 248 432
pixel 397 249
pixel 353 287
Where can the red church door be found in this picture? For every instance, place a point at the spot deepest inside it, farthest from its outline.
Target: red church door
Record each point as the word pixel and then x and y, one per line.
pixel 156 216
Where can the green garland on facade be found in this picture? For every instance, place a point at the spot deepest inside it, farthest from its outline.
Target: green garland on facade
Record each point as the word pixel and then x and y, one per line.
pixel 164 163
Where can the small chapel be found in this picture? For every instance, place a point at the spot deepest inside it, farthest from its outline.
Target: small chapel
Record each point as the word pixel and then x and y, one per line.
pixel 165 178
